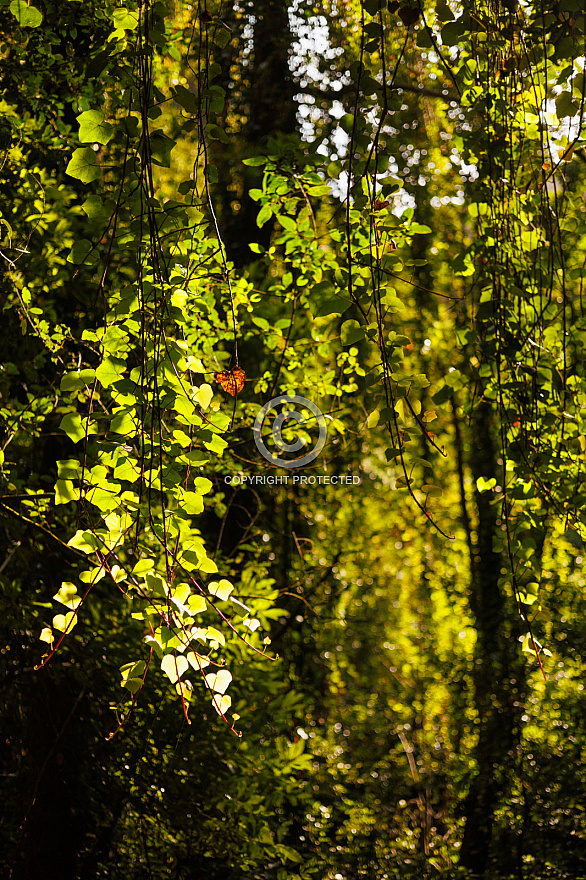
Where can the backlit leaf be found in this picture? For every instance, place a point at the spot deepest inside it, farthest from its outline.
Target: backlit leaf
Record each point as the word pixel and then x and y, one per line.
pixel 65 492
pixel 220 589
pixel 47 635
pixel 83 165
pixel 204 395
pixel 65 622
pixel 197 661
pixel 232 381
pixel 67 595
pixel 123 19
pixel 93 129
pixel 219 681
pixel 174 665
pixel 73 427
pixel 222 704
pixel 196 604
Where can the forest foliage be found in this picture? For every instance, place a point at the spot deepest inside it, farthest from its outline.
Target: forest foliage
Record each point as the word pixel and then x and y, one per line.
pixel 370 666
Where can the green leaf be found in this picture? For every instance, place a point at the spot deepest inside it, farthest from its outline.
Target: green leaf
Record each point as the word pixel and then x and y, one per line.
pixel 295 750
pixel 47 635
pixel 351 332
pixel 182 438
pixel 484 485
pixel 127 468
pixel 96 209
pixel 106 499
pixel 529 593
pixel 84 541
pixel 222 36
pixel 27 16
pixel 132 675
pixel 323 190
pixel 332 305
pixel 110 371
pixel 83 165
pixel 65 622
pixel 565 106
pixel 77 380
pixel 124 424
pixel 185 690
pixel 347 123
pixel 216 444
pixel 73 426
pixel 215 133
pixel 161 147
pixel 531 645
pixel 215 635
pixel 93 129
pixel 67 595
pixel 133 670
pixel 180 594
pixel 256 161
pixel 83 251
pixel 68 469
pixel 402 409
pixel 191 503
pixel 125 20
pixel 143 566
pixel 287 223
pixel 95 574
pixel 463 265
pixel 203 485
pixel 185 99
pixel 265 213
pixel 65 492
pixel 196 604
pixel 443 12
pixel 204 395
pixel 289 853
pixel 391 300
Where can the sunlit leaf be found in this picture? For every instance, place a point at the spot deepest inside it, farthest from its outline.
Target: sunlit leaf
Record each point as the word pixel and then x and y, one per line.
pixel 219 681
pixel 65 622
pixel 174 665
pixel 83 165
pixel 67 595
pixel 221 704
pixel 204 395
pixel 47 635
pixel 65 492
pixel 220 589
pixel 93 129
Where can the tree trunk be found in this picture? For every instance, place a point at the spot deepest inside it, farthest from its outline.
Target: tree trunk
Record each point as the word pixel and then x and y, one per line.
pixel 494 661
pixel 270 109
